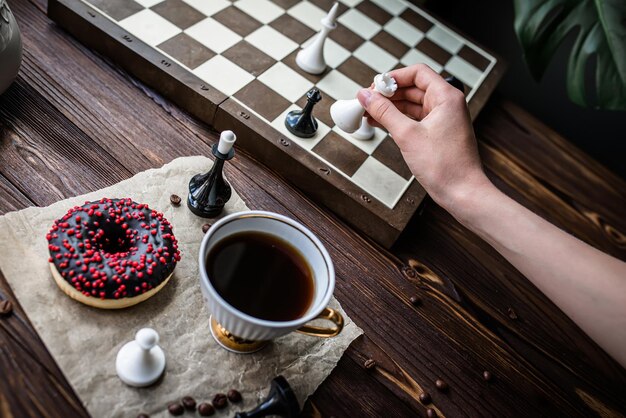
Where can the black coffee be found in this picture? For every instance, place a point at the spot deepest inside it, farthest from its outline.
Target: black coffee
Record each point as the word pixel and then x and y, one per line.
pixel 261 275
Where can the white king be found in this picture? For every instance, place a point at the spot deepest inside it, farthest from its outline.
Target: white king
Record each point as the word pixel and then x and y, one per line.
pixel 311 58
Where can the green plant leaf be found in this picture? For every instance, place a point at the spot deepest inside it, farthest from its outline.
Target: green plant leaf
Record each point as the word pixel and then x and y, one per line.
pixel 600 28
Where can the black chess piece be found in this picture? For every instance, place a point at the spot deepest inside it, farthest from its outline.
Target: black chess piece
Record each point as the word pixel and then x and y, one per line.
pixel 301 122
pixel 279 401
pixel 455 82
pixel 209 192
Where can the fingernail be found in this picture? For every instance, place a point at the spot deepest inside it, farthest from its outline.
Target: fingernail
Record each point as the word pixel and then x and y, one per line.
pixel 365 97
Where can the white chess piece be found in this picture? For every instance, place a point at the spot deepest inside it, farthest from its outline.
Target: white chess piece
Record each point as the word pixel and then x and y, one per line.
pixel 365 131
pixel 141 362
pixel 311 58
pixel 348 114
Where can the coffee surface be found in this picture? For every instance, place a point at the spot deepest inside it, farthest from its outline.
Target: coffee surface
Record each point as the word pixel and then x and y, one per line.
pixel 261 275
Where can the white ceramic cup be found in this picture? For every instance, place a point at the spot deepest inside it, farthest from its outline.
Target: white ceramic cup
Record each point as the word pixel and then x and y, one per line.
pixel 247 327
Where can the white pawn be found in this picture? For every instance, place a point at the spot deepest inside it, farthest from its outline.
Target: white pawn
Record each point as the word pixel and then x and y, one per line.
pixel 311 59
pixel 365 131
pixel 141 362
pixel 348 114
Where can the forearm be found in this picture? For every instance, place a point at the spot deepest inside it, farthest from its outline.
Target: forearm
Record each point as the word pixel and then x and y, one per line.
pixel 587 284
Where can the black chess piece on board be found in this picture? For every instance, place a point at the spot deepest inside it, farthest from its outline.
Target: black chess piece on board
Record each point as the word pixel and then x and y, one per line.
pixel 301 122
pixel 455 82
pixel 209 192
pixel 279 401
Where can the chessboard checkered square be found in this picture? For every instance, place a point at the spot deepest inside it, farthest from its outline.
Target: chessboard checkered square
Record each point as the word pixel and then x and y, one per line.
pixel 351 3
pixel 292 28
pixel 389 154
pixel 285 4
pixel 223 75
pixel 149 27
pixel 417 57
pixel 213 35
pixel 474 57
pixel 395 7
pixel 326 5
pixel 466 72
pixel 368 146
pixel 272 42
pixel 338 86
pixel 381 182
pixel 358 23
pixel 445 39
pixel 148 3
pixel 178 12
pixel 306 143
pixel 263 10
pixel 237 21
pixel 404 31
pixel 322 108
pixel 334 54
pixel 249 58
pixel 264 100
pixel 417 20
pixel 117 9
pixel 285 81
pixel 186 50
pixel 376 57
pixel 209 8
pixel 390 44
pixel 356 70
pixel 340 153
pixel 290 61
pixel 309 14
pixel 377 14
pixel 434 51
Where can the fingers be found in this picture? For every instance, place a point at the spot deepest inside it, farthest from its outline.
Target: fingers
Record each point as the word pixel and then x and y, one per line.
pixel 412 94
pixel 418 75
pixel 382 110
pixel 409 108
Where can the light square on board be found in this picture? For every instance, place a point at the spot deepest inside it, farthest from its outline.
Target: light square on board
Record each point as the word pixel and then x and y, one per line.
pixel 117 9
pixel 376 57
pixel 263 100
pixel 213 35
pixel 178 12
pixel 380 181
pixel 466 72
pixel 309 14
pixel 249 58
pixel 150 27
pixel 338 86
pixel 209 8
pixel 285 81
pixel 340 153
pixel 404 31
pixel 395 7
pixel 445 39
pixel 237 21
pixel 148 3
pixel 290 61
pixel 272 42
pixel 416 57
pixel 223 75
pixel 351 3
pixel 368 146
pixel 186 50
pixel 359 23
pixel 306 143
pixel 262 10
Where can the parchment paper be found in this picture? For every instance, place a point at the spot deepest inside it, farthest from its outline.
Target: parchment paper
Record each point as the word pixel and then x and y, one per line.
pixel 85 341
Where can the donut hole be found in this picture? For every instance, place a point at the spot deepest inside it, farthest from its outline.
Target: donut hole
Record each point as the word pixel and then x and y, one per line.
pixel 114 241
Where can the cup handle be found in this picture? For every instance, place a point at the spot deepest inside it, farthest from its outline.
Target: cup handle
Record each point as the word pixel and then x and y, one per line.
pixel 329 315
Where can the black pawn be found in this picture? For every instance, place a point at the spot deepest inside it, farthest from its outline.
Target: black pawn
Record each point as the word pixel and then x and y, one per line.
pixel 280 401
pixel 301 122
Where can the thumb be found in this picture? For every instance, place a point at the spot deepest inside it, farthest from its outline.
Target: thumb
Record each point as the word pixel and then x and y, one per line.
pixel 381 109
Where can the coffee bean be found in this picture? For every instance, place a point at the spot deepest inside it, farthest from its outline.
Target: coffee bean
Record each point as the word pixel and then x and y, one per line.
pixel 143 416
pixel 205 409
pixel 189 403
pixel 6 307
pixel 205 227
pixel 441 385
pixel 425 398
pixel 431 413
pixel 234 396
pixel 415 300
pixel 175 200
pixel 487 376
pixel 369 364
pixel 220 400
pixel 176 409
pixel 512 313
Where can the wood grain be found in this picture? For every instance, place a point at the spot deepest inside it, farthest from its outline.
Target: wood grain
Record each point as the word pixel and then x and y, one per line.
pixel 74 123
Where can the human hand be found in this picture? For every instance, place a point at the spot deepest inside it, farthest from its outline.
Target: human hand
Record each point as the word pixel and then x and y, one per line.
pixel 429 120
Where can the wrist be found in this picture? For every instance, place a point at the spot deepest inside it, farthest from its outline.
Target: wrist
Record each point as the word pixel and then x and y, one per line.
pixel 465 199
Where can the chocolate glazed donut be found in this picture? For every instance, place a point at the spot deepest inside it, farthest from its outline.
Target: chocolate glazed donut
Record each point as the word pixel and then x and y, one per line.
pixel 112 253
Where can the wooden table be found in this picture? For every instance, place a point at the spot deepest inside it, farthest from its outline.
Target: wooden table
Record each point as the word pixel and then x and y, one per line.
pixel 73 123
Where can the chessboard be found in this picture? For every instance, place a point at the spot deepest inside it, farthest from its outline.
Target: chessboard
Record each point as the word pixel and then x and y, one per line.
pixel 232 64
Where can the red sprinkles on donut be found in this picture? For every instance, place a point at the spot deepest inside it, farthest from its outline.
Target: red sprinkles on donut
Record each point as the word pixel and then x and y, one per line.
pixel 112 253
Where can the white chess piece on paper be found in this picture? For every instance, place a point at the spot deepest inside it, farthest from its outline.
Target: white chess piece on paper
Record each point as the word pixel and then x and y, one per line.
pixel 141 362
pixel 365 131
pixel 348 114
pixel 311 58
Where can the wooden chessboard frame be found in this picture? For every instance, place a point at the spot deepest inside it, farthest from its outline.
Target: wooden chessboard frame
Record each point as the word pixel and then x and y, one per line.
pixel 323 184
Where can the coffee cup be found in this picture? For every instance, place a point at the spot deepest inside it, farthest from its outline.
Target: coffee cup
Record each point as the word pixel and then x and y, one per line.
pixel 239 331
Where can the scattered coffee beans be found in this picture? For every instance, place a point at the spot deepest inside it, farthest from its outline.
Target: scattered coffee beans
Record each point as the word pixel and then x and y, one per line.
pixel 369 364
pixel 220 400
pixel 205 227
pixel 487 376
pixel 6 307
pixel 143 416
pixel 234 396
pixel 205 409
pixel 189 403
pixel 175 200
pixel 512 313
pixel 431 413
pixel 415 300
pixel 441 385
pixel 425 398
pixel 176 409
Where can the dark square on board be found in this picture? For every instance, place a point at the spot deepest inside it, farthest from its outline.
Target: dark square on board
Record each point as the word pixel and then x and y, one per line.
pixel 434 51
pixel 178 12
pixel 340 152
pixel 374 12
pixel 326 5
pixel 237 21
pixel 286 4
pixel 474 57
pixel 249 58
pixel 417 20
pixel 292 29
pixel 390 44
pixel 187 50
pixel 345 37
pixel 357 71
pixel 388 153
pixel 118 9
pixel 321 111
pixel 262 100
